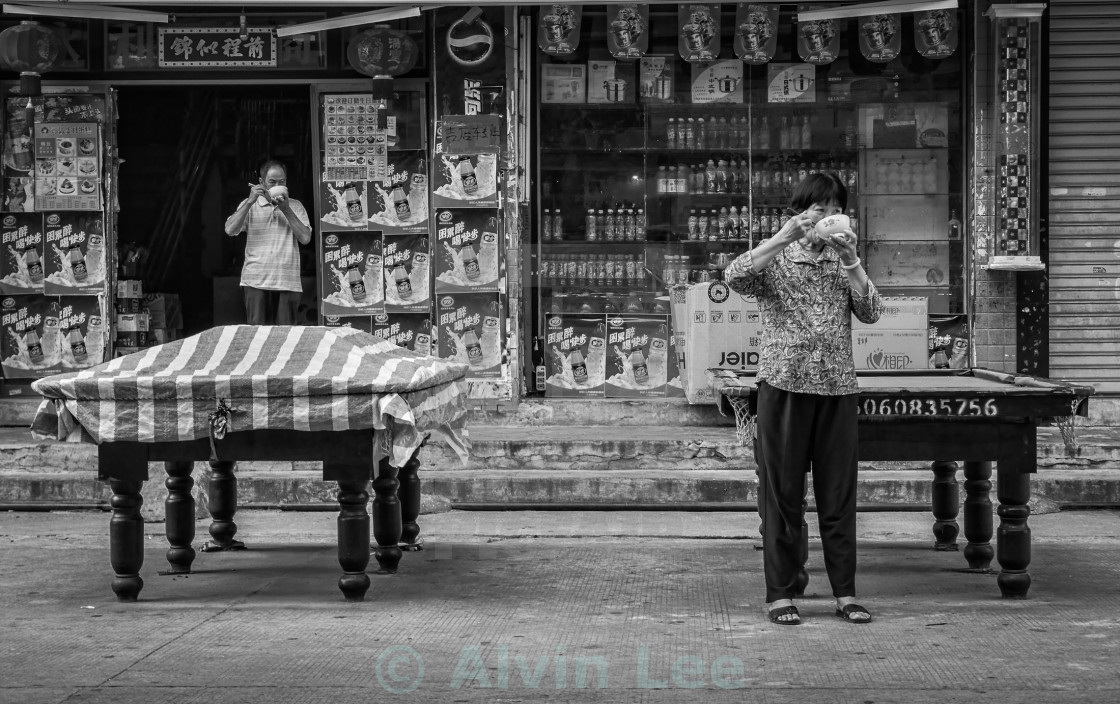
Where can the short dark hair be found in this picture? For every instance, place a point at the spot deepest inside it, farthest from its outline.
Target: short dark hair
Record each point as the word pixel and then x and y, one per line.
pixel 273 163
pixel 821 187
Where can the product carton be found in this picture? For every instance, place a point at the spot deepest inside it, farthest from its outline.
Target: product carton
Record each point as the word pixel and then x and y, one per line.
pixel 899 313
pixel 889 349
pixel 721 329
pixel 164 310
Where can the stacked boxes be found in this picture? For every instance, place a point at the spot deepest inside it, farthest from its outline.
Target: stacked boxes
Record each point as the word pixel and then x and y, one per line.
pixel 720 329
pixel 898 340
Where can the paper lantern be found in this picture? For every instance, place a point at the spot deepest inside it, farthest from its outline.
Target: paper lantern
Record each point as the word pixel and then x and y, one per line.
pixel 29 46
pixel 382 50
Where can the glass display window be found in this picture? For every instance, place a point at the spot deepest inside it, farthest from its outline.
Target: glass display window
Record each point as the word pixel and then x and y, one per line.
pixel 657 170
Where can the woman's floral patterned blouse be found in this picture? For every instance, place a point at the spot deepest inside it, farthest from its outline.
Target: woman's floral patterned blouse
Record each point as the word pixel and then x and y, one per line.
pixel 806 307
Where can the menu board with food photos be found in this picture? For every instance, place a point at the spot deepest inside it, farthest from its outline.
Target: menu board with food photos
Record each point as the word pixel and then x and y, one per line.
pixel 67 166
pixel 353 148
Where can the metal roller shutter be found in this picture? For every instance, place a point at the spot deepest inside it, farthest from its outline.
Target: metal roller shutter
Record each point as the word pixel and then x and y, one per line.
pixel 1084 182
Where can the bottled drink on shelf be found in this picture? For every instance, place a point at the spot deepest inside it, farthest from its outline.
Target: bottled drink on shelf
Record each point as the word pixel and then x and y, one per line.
pixel 592 226
pixel 733 223
pixel 702 225
pixel 701 134
pixel 546 225
pixel 671 133
pixel 775 221
pixel 690 134
pixel 710 182
pixel 684 175
pixel 628 226
pixel 557 225
pixel 806 133
pixel 693 225
pixel 764 133
pixel 722 221
pixel 783 134
pixel 600 224
pixel 608 226
pixel 722 176
pixel 640 225
pixel 662 180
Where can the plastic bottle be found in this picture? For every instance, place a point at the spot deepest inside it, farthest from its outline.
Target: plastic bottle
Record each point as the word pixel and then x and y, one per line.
pixel 723 221
pixel 628 226
pixel 638 365
pixel 701 134
pixel 591 226
pixel 579 366
pixel 690 134
pixel 693 225
pixel 467 177
pixel 357 285
pixel 546 225
pixel 557 225
pixel 733 223
pixel 473 347
pixel 711 183
pixel 34 265
pixel 722 176
pixel 353 204
pixel 702 225
pixel 78 265
pixel 402 282
pixel 671 133
pixel 400 205
pixel 470 262
pixel 806 133
pixel 662 180
pixel 608 226
pixel 939 360
pixel 640 225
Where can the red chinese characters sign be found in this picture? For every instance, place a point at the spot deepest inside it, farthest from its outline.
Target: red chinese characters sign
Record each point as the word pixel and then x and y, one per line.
pixel 216 47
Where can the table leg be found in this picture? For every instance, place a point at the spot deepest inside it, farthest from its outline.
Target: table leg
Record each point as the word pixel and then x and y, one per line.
pixel 179 515
pixel 978 514
pixel 387 517
pixel 409 495
pixel 353 538
pixel 126 538
pixel 223 506
pixel 1013 538
pixel 946 500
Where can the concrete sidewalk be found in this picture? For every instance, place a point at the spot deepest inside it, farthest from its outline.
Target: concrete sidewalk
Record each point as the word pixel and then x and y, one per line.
pixel 553 606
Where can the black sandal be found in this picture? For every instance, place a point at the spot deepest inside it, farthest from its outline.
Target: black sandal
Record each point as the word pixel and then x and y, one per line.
pixel 846 613
pixel 775 615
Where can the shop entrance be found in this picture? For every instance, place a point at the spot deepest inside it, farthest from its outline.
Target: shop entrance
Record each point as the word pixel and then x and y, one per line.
pixel 189 154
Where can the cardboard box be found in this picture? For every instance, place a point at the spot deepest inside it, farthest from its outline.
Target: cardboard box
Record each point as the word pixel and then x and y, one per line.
pixel 164 310
pixel 721 328
pixel 890 349
pixel 899 313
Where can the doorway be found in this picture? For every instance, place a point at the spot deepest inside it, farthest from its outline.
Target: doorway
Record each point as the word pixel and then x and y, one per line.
pixel 188 156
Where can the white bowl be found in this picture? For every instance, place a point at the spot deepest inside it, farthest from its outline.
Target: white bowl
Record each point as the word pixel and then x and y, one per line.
pixel 833 224
pixel 277 191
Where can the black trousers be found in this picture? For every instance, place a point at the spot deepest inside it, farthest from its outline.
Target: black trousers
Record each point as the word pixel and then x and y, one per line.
pixel 797 434
pixel 270 307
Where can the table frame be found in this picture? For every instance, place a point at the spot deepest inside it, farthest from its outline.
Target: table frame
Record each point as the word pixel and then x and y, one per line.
pixel 347 457
pixel 1008 439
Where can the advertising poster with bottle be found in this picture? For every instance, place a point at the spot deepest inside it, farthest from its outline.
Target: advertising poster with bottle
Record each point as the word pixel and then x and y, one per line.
pixel 466 251
pixel 343 206
pixel 21 253
pixel 29 336
pixel 358 322
pixel 82 332
pixel 407 264
pixel 350 274
pixel 674 386
pixel 408 330
pixel 637 356
pixel 468 330
pixel 399 204
pixel 74 254
pixel 465 181
pixel 575 356
pixel 67 168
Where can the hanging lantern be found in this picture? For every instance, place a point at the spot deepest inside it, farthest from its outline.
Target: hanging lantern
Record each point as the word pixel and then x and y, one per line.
pixel 382 51
pixel 29 46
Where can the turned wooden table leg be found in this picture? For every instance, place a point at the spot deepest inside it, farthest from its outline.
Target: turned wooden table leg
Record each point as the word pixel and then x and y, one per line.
pixel 387 517
pixel 978 514
pixel 1013 537
pixel 179 515
pixel 223 506
pixel 409 496
pixel 946 500
pixel 353 538
pixel 126 538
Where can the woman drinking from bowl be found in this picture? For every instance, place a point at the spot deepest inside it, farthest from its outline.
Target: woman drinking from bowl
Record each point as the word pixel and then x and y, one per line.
pixel 809 282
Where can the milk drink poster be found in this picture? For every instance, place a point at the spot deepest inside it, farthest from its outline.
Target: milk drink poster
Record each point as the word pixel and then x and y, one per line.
pixel 73 254
pixel 399 204
pixel 21 253
pixel 342 206
pixel 465 181
pixel 411 331
pixel 468 327
pixel 351 282
pixel 466 251
pixel 82 332
pixel 407 265
pixel 575 356
pixel 358 322
pixel 29 334
pixel 637 356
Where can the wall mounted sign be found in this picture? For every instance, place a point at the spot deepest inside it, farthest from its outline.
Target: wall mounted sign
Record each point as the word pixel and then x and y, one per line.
pixel 698 32
pixel 756 32
pixel 471 134
pixel 628 35
pixel 216 47
pixel 558 29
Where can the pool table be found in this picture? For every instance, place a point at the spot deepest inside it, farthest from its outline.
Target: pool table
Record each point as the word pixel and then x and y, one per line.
pixel 975 415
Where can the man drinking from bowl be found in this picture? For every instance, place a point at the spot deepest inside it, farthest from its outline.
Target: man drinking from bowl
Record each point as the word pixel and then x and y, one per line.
pixel 275 225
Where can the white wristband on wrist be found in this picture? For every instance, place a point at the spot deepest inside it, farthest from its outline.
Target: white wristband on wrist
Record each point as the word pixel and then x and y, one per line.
pixel 851 266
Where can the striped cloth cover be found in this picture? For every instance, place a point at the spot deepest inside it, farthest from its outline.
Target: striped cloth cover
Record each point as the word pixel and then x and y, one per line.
pixel 270 377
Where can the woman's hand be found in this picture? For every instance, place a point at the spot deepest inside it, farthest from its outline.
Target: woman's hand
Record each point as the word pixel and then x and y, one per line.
pixel 797 228
pixel 844 243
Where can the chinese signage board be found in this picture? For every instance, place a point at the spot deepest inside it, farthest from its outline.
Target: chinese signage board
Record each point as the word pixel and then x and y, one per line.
pixel 216 47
